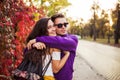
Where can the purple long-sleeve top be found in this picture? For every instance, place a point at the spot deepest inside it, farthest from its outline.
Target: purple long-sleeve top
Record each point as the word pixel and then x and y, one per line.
pixel 67 43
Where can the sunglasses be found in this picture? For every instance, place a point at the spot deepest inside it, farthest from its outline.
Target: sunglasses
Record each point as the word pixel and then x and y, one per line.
pixel 60 25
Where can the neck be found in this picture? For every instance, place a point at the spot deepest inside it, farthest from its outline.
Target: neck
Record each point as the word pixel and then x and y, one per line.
pixel 61 35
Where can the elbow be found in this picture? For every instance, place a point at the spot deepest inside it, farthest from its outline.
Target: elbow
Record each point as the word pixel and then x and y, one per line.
pixel 72 44
pixel 56 70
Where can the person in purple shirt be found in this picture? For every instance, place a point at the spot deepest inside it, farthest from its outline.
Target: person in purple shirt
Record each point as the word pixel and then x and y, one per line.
pixel 63 41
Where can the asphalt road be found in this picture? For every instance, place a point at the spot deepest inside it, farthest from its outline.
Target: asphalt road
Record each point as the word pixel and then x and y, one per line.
pixel 96 62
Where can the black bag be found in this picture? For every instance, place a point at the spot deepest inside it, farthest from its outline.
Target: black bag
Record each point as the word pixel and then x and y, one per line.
pixel 30 68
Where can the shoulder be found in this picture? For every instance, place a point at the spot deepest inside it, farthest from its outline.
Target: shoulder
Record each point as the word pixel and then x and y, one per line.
pixel 54 50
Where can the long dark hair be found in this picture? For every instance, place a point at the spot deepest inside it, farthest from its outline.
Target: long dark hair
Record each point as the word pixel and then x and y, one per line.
pixel 32 64
pixel 40 29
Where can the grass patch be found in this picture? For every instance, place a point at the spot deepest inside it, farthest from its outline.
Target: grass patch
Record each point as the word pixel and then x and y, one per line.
pixel 104 41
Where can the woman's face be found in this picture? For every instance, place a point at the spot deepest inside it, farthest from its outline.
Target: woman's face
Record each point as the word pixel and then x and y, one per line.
pixel 51 29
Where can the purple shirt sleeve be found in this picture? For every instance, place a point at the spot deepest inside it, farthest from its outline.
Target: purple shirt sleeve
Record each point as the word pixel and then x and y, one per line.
pixel 68 42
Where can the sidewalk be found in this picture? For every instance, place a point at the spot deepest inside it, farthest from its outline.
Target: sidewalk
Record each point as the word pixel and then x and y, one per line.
pixel 82 71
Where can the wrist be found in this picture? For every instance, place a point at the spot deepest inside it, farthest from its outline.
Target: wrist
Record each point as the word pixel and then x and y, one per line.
pixel 67 54
pixel 33 41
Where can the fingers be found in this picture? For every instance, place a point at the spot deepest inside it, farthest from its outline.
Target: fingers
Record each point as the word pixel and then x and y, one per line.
pixel 29 45
pixel 43 45
pixel 39 45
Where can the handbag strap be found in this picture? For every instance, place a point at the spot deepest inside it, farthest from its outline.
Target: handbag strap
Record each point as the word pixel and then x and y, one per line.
pixel 46 67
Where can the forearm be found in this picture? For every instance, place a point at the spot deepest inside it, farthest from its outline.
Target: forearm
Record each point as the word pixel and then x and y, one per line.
pixel 63 43
pixel 59 64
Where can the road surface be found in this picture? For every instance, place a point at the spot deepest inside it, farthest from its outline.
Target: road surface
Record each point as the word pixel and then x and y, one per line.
pixel 96 61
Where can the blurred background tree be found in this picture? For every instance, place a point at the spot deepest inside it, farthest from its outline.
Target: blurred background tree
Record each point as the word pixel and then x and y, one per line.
pixel 116 19
pixel 17 18
pixel 104 24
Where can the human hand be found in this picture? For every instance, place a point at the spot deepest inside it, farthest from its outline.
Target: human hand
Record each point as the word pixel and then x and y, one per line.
pixel 39 45
pixel 29 44
pixel 23 74
pixel 66 52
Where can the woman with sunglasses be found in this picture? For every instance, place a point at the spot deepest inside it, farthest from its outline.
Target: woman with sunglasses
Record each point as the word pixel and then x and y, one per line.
pixel 31 68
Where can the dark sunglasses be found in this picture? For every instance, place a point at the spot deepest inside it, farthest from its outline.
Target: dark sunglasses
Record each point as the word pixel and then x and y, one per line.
pixel 60 25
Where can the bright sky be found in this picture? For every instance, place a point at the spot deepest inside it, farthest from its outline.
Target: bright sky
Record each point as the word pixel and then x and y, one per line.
pixel 81 8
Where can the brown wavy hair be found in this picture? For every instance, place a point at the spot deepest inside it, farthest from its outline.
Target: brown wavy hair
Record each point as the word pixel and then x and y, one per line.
pixel 40 29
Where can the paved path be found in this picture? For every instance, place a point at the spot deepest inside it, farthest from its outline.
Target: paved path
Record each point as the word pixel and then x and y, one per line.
pixel 96 62
pixel 83 71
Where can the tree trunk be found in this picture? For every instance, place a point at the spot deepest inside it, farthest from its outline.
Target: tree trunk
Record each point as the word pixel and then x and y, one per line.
pixel 117 29
pixel 94 28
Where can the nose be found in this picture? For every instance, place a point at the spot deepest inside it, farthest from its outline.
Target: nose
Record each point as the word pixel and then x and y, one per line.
pixel 63 26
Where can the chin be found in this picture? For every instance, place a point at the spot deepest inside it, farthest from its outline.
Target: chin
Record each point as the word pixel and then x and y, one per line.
pixel 62 34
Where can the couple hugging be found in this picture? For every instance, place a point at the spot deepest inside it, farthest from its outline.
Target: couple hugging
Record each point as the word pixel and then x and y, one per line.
pixel 50 51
